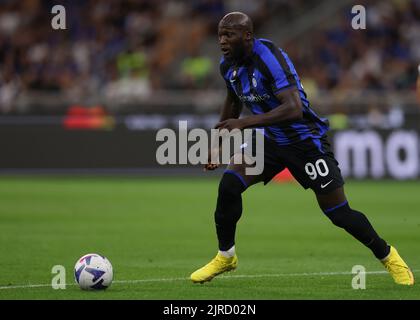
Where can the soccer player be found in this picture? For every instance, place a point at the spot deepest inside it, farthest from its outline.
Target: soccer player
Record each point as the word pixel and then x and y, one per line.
pixel 262 76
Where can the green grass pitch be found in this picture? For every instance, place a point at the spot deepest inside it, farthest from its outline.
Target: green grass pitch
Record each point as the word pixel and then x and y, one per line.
pixel 157 231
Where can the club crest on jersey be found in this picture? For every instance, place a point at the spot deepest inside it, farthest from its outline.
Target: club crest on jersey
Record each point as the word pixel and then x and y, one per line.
pixel 254 82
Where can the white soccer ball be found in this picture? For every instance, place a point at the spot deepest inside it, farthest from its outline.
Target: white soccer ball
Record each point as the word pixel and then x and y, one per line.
pixel 93 272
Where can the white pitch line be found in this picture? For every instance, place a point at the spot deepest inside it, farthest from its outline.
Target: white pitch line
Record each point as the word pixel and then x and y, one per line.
pixel 269 275
pixel 28 286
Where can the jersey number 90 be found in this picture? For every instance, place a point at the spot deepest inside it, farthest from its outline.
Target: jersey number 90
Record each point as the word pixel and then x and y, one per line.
pixel 320 168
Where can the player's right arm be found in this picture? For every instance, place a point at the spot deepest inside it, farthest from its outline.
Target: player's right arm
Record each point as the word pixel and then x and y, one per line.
pixel 231 109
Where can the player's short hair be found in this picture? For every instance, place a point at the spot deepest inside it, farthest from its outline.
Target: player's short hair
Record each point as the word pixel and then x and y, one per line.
pixel 237 20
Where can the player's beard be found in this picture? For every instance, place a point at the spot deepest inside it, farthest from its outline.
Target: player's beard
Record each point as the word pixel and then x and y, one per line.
pixel 238 53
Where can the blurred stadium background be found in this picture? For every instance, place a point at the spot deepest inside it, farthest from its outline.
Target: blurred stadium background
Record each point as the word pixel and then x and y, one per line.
pixel 90 99
pixel 92 96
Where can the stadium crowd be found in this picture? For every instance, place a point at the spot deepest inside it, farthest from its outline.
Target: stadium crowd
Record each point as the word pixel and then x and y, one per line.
pixel 120 47
pixel 385 56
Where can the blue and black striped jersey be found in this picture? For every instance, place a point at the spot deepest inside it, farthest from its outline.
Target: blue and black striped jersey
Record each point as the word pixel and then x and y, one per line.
pixel 256 82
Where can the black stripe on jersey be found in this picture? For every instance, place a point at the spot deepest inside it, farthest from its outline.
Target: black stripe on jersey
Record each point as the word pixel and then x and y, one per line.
pixel 237 82
pixel 307 118
pixel 224 67
pixel 281 60
pixel 264 106
pixel 265 71
pixel 310 121
pixel 250 71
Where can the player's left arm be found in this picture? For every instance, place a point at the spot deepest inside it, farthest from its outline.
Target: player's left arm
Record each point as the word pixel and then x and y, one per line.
pixel 289 109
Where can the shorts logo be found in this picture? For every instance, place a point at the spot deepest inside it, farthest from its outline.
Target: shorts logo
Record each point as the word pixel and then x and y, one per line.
pixel 324 185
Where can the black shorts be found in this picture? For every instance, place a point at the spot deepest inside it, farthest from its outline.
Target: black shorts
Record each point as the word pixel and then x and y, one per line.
pixel 310 161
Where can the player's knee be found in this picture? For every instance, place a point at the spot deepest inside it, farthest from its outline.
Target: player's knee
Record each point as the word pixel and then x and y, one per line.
pixel 231 185
pixel 339 215
pixel 229 201
pixel 344 217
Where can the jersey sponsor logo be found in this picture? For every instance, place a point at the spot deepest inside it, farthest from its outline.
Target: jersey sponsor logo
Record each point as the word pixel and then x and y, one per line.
pixel 254 98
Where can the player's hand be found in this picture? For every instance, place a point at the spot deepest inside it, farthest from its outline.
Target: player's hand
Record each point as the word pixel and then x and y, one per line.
pixel 211 166
pixel 231 124
pixel 213 153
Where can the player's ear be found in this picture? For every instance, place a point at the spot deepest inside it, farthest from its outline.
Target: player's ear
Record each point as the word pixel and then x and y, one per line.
pixel 248 35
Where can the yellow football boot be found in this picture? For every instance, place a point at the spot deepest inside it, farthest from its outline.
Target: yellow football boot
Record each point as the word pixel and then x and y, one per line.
pixel 398 268
pixel 215 267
